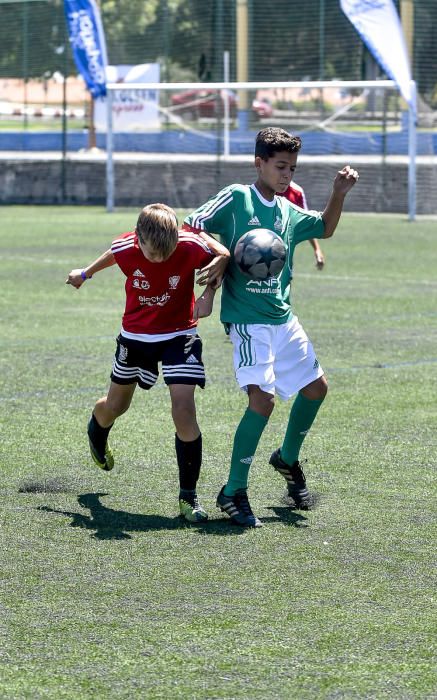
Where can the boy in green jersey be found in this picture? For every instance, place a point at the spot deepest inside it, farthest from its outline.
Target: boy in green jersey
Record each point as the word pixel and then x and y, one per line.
pixel 272 353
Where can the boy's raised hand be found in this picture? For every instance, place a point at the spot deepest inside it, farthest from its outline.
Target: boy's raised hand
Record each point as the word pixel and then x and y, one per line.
pixel 345 180
pixel 75 278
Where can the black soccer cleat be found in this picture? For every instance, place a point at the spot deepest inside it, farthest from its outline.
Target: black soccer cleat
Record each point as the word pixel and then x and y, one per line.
pixel 238 508
pixel 103 458
pixel 295 478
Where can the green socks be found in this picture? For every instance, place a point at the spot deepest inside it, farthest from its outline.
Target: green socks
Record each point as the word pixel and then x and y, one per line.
pixel 248 434
pixel 246 441
pixel 302 415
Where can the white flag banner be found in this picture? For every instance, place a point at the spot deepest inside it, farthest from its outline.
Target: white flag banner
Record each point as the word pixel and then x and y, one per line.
pixel 379 26
pixel 132 110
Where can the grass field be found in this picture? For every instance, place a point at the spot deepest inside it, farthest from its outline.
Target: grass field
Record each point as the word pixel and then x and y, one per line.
pixel 106 594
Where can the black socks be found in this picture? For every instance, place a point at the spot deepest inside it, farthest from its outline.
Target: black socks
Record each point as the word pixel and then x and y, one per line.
pixel 189 458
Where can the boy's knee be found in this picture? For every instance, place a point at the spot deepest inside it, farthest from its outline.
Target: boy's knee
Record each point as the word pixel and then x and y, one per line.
pixel 261 402
pixel 322 388
pixel 116 406
pixel 317 390
pixel 183 406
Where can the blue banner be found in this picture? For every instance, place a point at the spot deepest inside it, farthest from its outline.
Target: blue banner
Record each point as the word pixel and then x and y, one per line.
pixel 87 40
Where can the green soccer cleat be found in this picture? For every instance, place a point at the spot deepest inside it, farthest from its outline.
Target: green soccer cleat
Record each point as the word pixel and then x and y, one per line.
pixel 191 510
pixel 106 460
pixel 107 463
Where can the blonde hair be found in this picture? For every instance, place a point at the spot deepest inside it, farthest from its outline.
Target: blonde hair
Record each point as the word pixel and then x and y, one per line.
pixel 157 226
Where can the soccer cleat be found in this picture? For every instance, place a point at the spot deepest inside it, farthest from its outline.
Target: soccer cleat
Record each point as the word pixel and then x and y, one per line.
pixel 295 478
pixel 238 508
pixel 103 460
pixel 191 510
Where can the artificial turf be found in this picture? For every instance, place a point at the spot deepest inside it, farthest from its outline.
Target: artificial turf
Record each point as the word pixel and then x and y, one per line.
pixel 106 594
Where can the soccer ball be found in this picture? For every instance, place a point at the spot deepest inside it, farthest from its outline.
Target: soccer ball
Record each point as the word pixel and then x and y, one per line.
pixel 260 254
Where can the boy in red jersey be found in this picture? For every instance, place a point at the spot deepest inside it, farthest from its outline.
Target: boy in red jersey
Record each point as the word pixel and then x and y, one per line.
pixel 296 195
pixel 159 325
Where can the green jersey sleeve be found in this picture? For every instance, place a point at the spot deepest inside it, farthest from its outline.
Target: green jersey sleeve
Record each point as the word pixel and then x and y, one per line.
pixel 216 215
pixel 306 225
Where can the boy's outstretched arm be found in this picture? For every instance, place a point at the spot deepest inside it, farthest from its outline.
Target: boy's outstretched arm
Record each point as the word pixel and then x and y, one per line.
pixel 77 277
pixel 344 181
pixel 203 304
pixel 212 274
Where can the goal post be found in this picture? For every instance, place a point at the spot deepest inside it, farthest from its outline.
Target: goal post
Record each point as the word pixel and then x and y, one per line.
pixel 353 112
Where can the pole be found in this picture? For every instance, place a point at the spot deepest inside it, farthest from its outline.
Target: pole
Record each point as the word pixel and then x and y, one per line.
pixel 242 60
pixel 226 142
pixel 407 19
pixel 218 74
pixel 92 142
pixel 64 116
pixel 321 39
pixel 25 59
pixel 64 139
pixel 109 155
pixel 412 149
pixel 322 53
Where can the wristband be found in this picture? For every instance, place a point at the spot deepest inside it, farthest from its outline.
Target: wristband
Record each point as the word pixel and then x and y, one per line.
pixel 84 277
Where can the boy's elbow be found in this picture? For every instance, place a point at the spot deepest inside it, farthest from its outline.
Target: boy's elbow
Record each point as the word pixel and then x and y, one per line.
pixel 330 227
pixel 328 233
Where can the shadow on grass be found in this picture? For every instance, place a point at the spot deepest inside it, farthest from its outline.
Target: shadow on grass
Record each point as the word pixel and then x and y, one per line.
pixel 286 515
pixel 110 524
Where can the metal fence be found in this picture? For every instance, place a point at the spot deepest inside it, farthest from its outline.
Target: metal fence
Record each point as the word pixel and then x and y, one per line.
pixel 287 40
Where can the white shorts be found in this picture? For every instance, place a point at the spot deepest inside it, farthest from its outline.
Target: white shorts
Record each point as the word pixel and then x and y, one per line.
pixel 279 359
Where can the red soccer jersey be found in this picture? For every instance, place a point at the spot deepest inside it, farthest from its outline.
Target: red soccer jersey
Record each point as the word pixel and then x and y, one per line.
pixel 295 194
pixel 160 296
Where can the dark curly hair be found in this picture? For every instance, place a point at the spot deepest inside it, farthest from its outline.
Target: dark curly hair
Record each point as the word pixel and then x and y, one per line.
pixel 272 140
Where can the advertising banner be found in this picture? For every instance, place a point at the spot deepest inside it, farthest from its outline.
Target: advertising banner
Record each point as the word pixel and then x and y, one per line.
pixel 87 40
pixel 378 24
pixel 132 110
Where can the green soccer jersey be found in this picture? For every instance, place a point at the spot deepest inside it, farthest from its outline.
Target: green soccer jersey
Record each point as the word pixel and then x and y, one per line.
pixel 230 214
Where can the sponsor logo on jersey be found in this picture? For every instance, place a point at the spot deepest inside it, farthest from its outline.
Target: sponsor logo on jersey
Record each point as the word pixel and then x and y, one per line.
pixel 278 224
pixel 122 355
pixel 143 284
pixel 138 273
pixel 269 286
pixel 316 363
pixel 191 360
pixel 173 281
pixel 154 301
pixel 254 221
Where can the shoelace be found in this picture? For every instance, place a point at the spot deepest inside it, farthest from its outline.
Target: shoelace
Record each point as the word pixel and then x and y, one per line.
pixel 196 503
pixel 297 473
pixel 243 504
pixel 193 501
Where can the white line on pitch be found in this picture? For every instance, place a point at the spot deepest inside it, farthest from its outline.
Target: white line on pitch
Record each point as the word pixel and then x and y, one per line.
pixel 358 278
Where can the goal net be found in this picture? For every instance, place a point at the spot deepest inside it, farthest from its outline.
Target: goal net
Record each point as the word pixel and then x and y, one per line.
pixel 187 140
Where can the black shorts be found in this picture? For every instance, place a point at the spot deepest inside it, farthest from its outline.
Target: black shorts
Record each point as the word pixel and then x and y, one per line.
pixel 181 359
